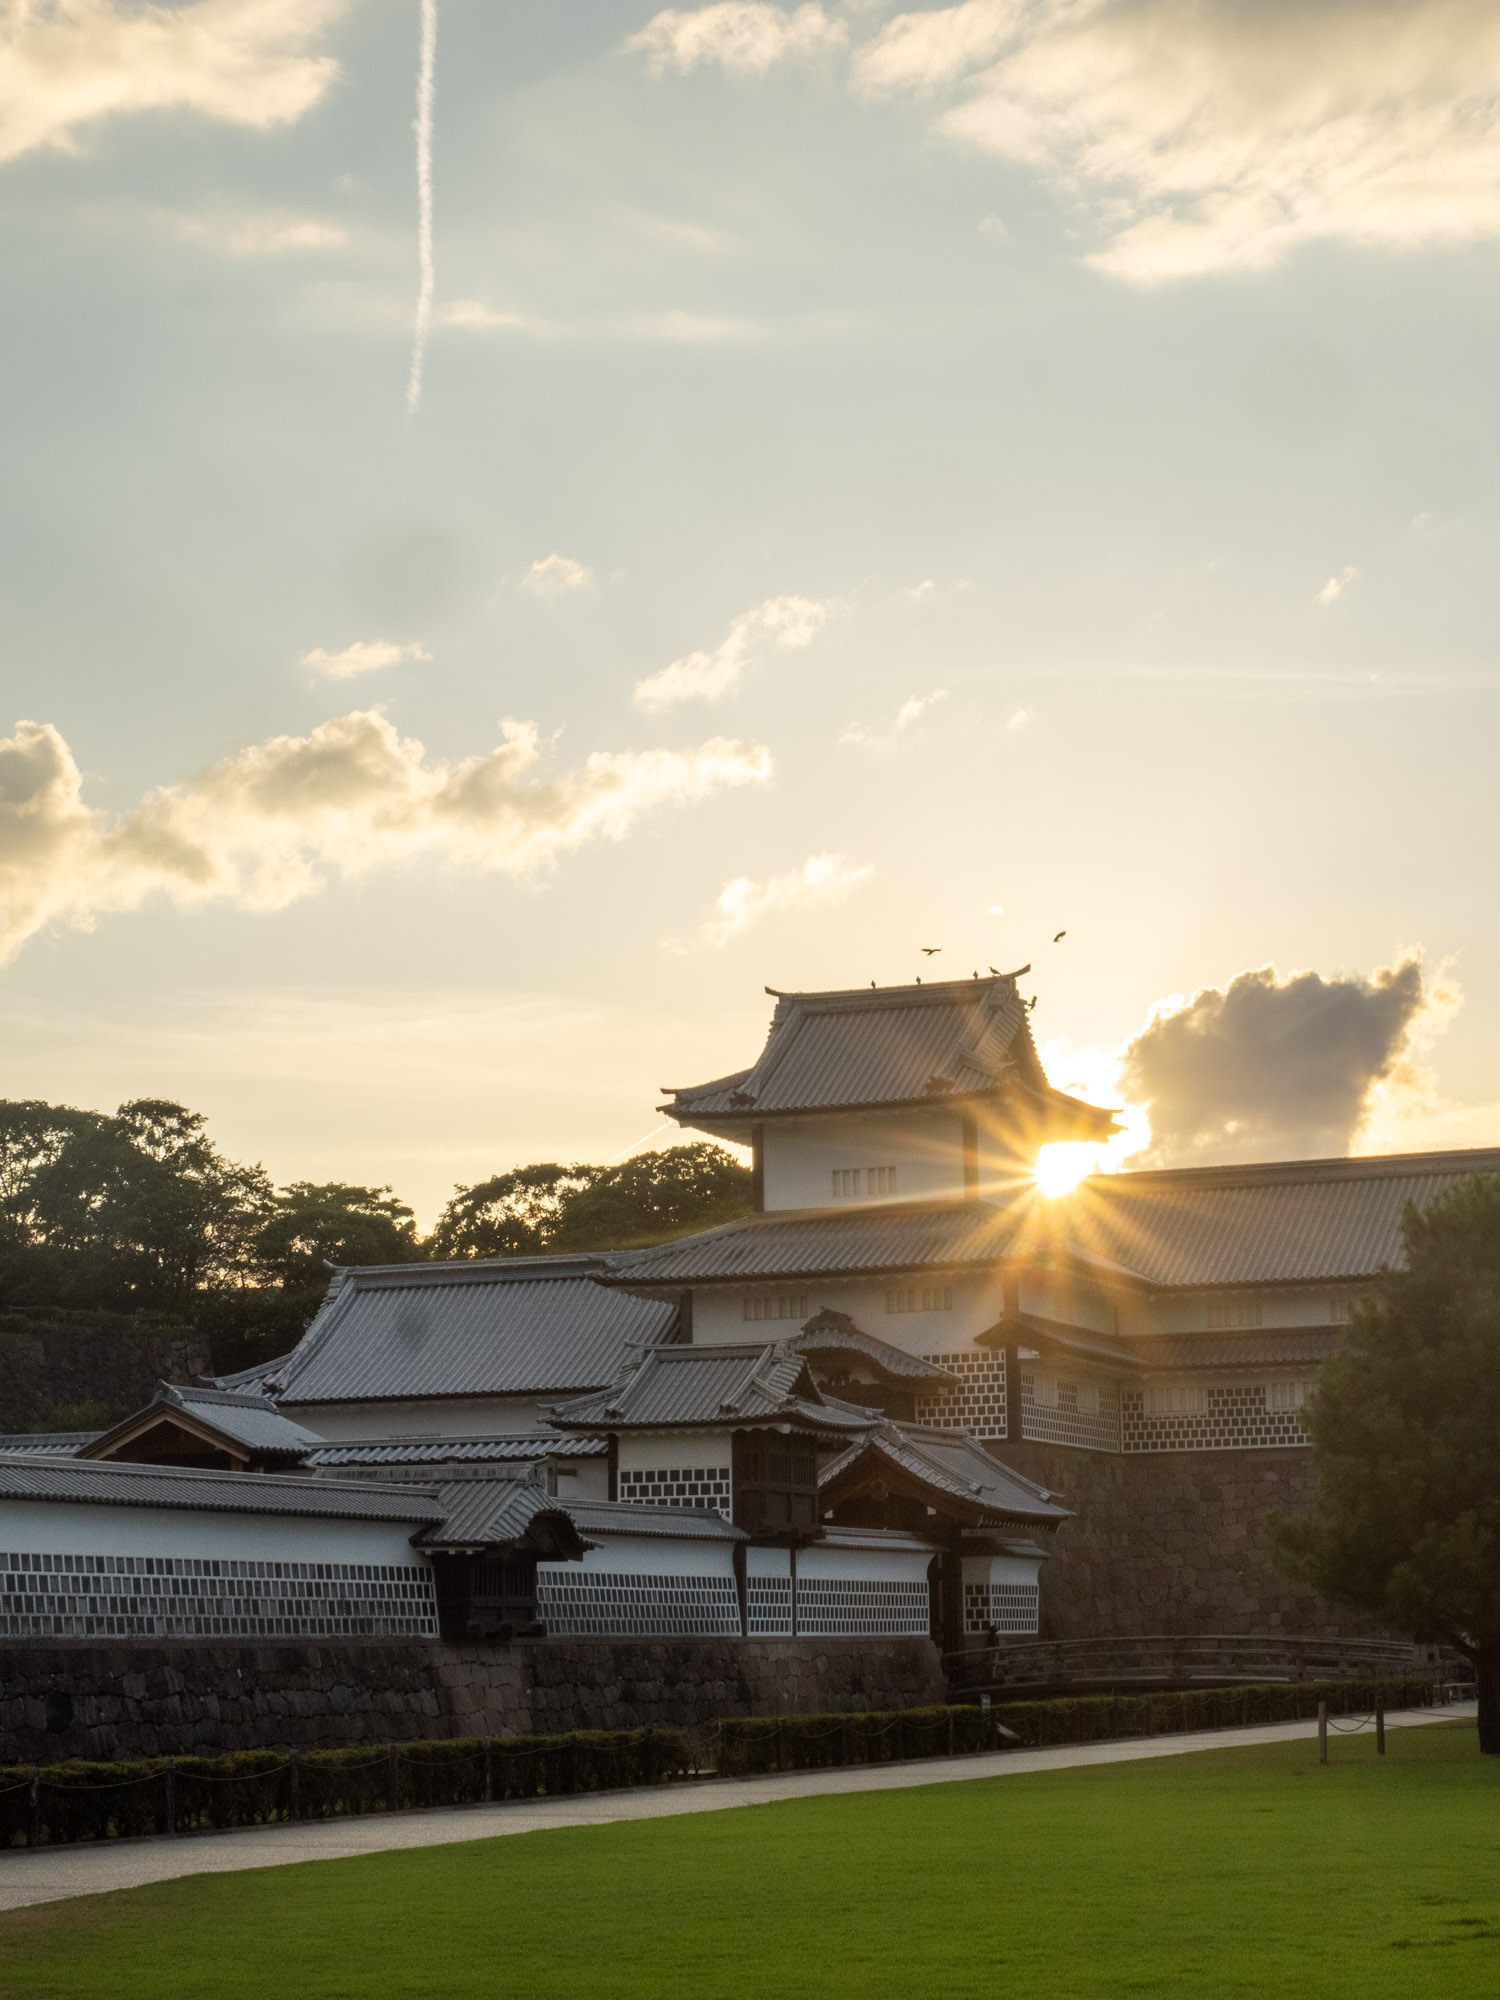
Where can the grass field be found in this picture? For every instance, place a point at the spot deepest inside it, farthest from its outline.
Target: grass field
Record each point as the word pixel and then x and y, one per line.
pixel 1241 1872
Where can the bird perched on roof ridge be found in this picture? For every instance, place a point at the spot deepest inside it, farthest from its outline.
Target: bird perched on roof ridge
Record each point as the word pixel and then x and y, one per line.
pixel 929 950
pixel 1059 938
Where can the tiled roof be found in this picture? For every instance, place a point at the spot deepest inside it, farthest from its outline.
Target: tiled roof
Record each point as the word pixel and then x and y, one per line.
pixel 953 1468
pixel 457 1450
pixel 110 1482
pixel 503 1514
pixel 886 1046
pixel 835 1333
pixel 829 1242
pixel 1272 1347
pixel 247 1420
pixel 484 1327
pixel 711 1386
pixel 625 1517
pixel 1288 1222
pixel 58 1444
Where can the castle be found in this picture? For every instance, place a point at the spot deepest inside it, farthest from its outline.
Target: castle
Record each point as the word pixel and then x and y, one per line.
pixel 909 1395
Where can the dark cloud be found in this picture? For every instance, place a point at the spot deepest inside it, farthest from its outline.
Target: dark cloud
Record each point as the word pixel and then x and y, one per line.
pixel 1270 1068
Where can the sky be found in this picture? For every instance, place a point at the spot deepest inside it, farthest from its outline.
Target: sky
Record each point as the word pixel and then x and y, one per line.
pixel 725 498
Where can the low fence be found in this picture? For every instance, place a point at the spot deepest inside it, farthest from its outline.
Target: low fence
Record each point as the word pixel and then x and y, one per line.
pixel 59 1804
pixel 1175 1661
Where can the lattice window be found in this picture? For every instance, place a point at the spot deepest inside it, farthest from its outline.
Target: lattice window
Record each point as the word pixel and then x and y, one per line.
pixel 977 1403
pixel 191 1597
pixel 768 1607
pixel 832 1607
pixel 919 1299
pixel 1009 1608
pixel 614 1604
pixel 1083 1414
pixel 881 1181
pixel 678 1486
pixel 845 1183
pixel 1238 1416
pixel 776 1305
pixel 1223 1313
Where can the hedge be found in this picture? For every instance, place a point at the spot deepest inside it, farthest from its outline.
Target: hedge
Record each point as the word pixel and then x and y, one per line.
pixel 79 1801
pixel 819 1742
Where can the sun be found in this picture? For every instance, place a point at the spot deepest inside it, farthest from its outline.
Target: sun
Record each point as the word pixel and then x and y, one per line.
pixel 1059 1168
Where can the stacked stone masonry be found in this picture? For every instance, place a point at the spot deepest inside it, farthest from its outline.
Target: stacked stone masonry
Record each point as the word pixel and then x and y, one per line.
pixel 130 1700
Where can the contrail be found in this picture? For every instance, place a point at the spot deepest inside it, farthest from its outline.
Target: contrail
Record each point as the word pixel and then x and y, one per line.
pixel 422 126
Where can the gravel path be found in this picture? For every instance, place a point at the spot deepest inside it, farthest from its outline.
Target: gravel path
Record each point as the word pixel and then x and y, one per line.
pixel 55 1873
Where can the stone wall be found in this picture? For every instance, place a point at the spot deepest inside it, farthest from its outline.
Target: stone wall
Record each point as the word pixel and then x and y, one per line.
pixel 1172 1542
pixel 58 1373
pixel 150 1699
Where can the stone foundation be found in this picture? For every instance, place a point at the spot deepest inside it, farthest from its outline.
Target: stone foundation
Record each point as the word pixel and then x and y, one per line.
pixel 1172 1542
pixel 182 1698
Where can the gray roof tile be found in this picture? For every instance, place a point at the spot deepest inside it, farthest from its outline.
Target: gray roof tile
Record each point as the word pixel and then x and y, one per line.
pixel 485 1327
pixel 711 1386
pixel 1288 1222
pixel 59 1444
pixel 500 1513
pixel 893 1045
pixel 953 1468
pixel 248 1420
pixel 457 1451
pixel 828 1242
pixel 624 1517
pixel 109 1482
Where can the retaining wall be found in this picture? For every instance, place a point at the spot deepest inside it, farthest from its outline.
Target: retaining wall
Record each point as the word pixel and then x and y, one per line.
pixel 176 1698
pixel 1173 1542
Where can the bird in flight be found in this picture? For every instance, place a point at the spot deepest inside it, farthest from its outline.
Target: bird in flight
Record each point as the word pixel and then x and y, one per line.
pixel 1059 938
pixel 929 950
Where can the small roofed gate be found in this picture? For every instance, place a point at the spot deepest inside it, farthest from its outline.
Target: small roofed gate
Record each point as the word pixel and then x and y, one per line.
pixel 776 1483
pixel 486 1597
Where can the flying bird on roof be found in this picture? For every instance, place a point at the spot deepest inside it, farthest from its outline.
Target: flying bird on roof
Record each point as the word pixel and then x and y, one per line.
pixel 1059 938
pixel 927 950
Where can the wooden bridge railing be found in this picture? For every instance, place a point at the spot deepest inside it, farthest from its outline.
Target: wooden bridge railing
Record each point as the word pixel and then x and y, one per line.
pixel 1169 1660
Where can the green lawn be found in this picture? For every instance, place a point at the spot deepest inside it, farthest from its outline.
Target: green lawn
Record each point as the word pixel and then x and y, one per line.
pixel 1242 1872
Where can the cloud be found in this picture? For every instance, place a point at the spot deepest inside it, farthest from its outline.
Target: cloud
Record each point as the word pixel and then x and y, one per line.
pixel 65 65
pixel 476 317
pixel 1335 587
pixel 1020 718
pixel 1272 1068
pixel 273 823
pixel 363 657
pixel 910 711
pixel 823 881
pixel 1197 135
pixel 792 622
pixel 262 235
pixel 745 37
pixel 554 575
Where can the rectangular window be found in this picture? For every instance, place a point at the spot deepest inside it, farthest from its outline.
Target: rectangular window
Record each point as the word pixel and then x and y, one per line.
pixel 1044 1390
pixel 881 1181
pixel 919 1299
pixel 1224 1313
pixel 776 1305
pixel 846 1183
pixel 1088 1399
pixel 1176 1399
pixel 1285 1395
pixel 1339 1310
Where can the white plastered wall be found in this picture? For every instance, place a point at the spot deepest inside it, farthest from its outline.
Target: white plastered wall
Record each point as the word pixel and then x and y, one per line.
pixel 43 1527
pixel 801 1156
pixel 719 1310
pixel 648 1555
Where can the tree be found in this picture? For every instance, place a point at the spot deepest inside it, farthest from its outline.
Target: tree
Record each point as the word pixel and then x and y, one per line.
pixel 547 1207
pixel 1405 1426
pixel 652 1198
pixel 314 1224
pixel 511 1215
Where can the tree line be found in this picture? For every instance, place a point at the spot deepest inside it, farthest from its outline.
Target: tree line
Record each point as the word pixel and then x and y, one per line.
pixel 139 1213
